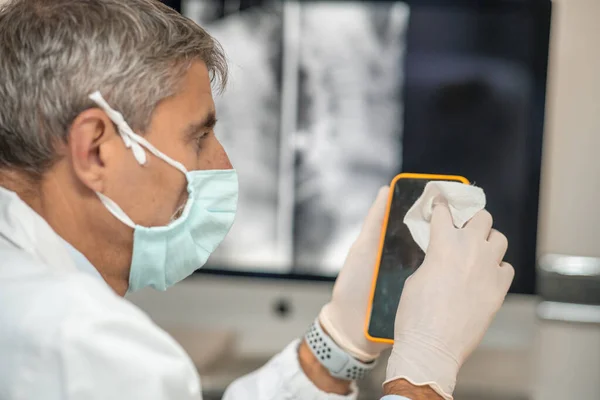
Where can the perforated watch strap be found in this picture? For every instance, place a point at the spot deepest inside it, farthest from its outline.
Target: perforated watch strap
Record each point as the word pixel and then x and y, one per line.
pixel 339 363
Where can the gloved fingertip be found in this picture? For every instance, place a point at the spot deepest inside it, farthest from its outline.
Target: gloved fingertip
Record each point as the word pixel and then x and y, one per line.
pixel 376 213
pixel 383 191
pixel 441 214
pixel 382 197
pixel 440 200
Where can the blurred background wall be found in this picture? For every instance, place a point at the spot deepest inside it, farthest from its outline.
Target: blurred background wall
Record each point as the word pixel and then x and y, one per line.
pixel 567 357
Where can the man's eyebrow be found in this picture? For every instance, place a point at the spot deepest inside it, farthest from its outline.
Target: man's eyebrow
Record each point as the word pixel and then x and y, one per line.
pixel 209 122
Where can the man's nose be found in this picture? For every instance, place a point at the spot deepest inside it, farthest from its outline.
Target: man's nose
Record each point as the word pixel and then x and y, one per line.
pixel 223 160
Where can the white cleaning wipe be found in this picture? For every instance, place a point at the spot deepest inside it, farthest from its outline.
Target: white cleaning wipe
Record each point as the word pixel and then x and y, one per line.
pixel 464 201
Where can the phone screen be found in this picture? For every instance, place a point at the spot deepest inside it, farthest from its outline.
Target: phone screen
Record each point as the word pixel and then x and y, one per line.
pixel 400 257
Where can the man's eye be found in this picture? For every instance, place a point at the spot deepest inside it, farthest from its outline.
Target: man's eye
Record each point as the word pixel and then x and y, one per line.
pixel 201 138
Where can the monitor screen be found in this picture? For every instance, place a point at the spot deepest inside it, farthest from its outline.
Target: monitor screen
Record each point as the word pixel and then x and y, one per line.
pixel 328 101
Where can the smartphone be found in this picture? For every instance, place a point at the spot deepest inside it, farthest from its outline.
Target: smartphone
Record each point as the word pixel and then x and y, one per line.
pixel 399 255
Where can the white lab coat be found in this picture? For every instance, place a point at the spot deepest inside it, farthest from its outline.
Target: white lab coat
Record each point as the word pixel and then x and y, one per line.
pixel 65 335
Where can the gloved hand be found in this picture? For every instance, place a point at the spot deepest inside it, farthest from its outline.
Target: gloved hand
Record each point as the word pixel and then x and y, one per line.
pixel 449 302
pixel 343 318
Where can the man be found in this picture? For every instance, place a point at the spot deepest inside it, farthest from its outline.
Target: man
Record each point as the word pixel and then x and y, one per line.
pixel 95 203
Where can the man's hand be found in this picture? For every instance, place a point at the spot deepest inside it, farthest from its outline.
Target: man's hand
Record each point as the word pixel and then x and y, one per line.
pixel 449 302
pixel 344 316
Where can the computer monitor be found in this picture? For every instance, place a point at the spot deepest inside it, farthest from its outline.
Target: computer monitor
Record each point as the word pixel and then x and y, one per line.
pixel 327 102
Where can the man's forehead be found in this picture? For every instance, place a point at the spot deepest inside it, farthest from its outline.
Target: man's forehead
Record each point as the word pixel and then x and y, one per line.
pixel 197 76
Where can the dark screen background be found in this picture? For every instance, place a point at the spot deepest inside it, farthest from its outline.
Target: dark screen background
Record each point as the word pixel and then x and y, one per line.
pixel 400 257
pixel 474 106
pixel 175 4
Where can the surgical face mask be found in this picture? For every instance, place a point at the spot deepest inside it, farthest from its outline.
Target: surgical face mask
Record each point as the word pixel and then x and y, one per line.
pixel 164 255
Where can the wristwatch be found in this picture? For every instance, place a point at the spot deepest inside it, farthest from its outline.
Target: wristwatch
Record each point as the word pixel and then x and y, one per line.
pixel 338 362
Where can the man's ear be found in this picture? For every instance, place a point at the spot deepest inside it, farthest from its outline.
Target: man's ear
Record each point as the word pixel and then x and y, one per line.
pixel 89 147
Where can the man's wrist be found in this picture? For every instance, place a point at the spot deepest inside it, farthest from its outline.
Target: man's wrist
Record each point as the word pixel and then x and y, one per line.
pixel 420 364
pixel 318 374
pixel 404 388
pixel 339 335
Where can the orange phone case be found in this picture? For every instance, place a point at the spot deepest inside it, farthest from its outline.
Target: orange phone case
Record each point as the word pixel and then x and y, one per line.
pixel 431 177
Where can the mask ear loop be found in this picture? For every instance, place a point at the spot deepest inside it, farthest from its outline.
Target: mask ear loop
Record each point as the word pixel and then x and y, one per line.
pixel 116 210
pixel 131 139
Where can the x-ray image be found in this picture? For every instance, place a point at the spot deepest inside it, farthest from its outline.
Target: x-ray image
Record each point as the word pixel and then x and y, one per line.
pixel 349 126
pixel 312 121
pixel 249 113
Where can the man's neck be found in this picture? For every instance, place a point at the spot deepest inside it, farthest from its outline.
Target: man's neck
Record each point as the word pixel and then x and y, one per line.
pixel 27 186
pixel 107 245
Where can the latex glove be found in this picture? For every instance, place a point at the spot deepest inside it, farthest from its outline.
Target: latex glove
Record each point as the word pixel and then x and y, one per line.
pixel 449 302
pixel 343 318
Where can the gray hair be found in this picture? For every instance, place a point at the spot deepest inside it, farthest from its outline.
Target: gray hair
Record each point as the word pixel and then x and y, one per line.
pixel 55 53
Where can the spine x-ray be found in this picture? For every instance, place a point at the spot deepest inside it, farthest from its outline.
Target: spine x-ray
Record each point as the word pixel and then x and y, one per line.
pixel 312 120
